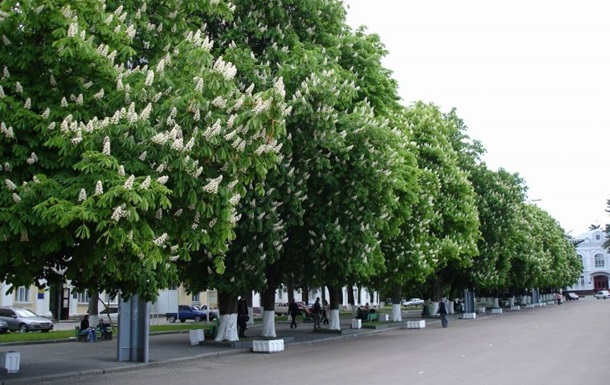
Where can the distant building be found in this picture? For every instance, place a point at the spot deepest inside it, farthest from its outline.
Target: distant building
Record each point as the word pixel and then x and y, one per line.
pixel 595 261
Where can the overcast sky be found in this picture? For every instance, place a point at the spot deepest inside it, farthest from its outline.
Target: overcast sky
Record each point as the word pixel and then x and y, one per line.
pixel 531 80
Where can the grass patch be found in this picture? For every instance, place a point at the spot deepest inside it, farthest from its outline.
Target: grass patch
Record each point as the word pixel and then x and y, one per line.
pixel 15 337
pixel 36 336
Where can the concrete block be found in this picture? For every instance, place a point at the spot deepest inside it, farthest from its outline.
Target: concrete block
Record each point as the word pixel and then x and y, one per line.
pixel 10 361
pixel 469 316
pixel 481 310
pixel 420 324
pixel 496 311
pixel 196 336
pixel 267 346
pixel 356 323
pixel 515 308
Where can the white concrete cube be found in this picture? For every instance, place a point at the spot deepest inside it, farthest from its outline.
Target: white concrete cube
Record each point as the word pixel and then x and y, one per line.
pixel 481 309
pixel 420 324
pixel 515 308
pixel 469 316
pixel 196 336
pixel 267 346
pixel 384 317
pixel 356 323
pixel 496 311
pixel 10 361
pixel 529 306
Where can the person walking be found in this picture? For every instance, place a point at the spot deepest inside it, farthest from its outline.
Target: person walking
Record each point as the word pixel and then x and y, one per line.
pixel 442 310
pixel 317 314
pixel 242 317
pixel 293 310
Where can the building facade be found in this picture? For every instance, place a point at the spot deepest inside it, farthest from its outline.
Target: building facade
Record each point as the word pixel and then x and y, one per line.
pixel 595 261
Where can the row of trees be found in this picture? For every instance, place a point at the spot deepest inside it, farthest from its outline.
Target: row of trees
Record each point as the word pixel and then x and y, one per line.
pixel 243 146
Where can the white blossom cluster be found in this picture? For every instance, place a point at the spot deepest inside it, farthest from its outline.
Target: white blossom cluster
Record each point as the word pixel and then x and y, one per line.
pixel 99 188
pixel 212 186
pixel 82 195
pixel 119 212
pixel 159 241
pixel 226 69
pixel 261 105
pixel 106 148
pixel 7 131
pixel 10 185
pixel 198 41
pixel 128 185
pixel 213 130
pixel 146 183
pixel 32 158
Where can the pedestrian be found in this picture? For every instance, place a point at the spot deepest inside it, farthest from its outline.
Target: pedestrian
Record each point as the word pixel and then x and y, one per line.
pixel 242 317
pixel 442 310
pixel 293 310
pixel 317 314
pixel 86 329
pixel 325 312
pixel 558 298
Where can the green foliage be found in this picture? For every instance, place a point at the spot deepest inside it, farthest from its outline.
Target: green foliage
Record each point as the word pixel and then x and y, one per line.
pixel 114 170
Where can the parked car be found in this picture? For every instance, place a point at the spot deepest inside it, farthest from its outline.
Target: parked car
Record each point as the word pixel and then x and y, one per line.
pixel 602 294
pixel 571 297
pixel 3 327
pixel 24 320
pixel 282 308
pixel 186 312
pixel 413 302
pixel 111 311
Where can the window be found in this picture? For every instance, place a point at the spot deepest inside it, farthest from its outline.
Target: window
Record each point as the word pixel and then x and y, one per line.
pixel 22 294
pixel 83 297
pixel 600 260
pixel 598 237
pixel 196 297
pixel 582 280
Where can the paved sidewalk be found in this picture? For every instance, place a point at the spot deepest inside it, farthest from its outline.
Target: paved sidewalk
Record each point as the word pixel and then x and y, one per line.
pixel 53 361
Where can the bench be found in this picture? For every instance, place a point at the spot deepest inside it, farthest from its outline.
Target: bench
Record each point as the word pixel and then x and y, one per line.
pixel 211 331
pixel 84 337
pixel 372 317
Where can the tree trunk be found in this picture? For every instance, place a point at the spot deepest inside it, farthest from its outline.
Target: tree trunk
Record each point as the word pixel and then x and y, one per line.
pixel 351 300
pixel 268 302
pixel 227 310
pixel 290 289
pixel 92 308
pixel 396 299
pixel 335 296
pixel 305 295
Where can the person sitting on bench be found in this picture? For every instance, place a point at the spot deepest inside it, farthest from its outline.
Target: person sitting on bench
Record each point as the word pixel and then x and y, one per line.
pixel 85 329
pixel 103 328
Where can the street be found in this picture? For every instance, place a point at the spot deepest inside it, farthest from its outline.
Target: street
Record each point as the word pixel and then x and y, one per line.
pixel 557 345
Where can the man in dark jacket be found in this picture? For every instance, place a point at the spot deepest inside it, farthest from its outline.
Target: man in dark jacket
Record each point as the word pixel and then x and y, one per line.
pixel 242 317
pixel 442 310
pixel 293 310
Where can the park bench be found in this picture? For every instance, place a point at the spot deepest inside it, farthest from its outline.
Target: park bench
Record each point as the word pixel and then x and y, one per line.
pixel 98 335
pixel 210 332
pixel 80 337
pixel 372 317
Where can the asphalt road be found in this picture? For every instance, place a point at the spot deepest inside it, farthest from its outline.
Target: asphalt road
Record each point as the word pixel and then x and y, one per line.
pixel 555 345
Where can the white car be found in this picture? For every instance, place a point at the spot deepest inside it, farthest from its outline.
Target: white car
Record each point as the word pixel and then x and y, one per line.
pixel 602 294
pixel 413 302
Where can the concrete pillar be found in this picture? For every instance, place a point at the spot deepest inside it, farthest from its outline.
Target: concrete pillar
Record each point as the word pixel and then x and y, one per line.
pixel 133 339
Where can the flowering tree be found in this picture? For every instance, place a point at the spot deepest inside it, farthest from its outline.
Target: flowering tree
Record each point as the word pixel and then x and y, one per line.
pixel 454 223
pixel 499 195
pixel 335 139
pixel 113 171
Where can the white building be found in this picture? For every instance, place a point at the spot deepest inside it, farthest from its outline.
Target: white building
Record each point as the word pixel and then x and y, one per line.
pixel 595 261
